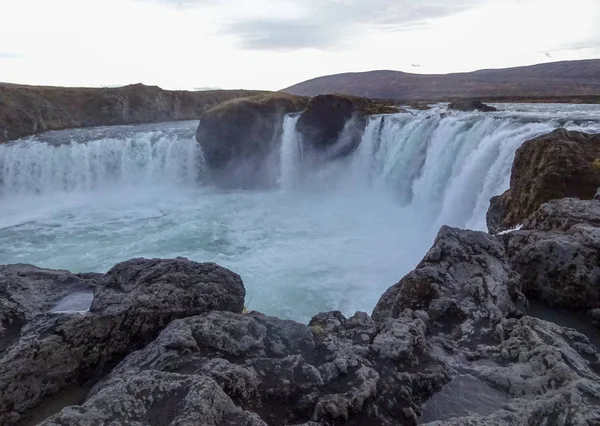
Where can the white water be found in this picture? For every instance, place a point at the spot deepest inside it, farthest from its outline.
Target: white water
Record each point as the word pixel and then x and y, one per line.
pixel 335 237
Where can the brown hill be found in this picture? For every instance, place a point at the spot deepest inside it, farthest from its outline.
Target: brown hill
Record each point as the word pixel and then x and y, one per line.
pixel 27 110
pixel 557 79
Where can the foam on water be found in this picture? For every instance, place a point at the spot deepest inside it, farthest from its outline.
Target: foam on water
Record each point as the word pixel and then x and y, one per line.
pixel 335 236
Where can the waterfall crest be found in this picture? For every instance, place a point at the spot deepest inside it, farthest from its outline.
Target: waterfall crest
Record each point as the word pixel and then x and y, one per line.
pixel 147 158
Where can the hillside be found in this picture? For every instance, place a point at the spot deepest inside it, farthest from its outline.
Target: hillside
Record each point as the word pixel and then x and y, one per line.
pixel 557 79
pixel 27 110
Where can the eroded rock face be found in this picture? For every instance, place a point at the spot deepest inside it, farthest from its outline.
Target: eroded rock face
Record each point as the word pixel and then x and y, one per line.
pixel 548 374
pixel 27 291
pixel 337 371
pixel 327 116
pixel 239 138
pixel 554 166
pixel 557 252
pixel 468 105
pixel 464 283
pixel 132 304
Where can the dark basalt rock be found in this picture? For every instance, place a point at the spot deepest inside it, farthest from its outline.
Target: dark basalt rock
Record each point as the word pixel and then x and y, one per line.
pixel 338 371
pixel 132 304
pixel 554 166
pixel 27 291
pixel 468 105
pixel 466 275
pixel 557 252
pixel 239 137
pixel 326 116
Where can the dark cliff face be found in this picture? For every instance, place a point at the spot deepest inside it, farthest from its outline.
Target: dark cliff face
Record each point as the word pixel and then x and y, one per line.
pixel 553 166
pixel 27 110
pixel 326 116
pixel 241 139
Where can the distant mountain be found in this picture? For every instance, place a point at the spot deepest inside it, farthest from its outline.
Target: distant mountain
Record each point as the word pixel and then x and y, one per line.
pixel 569 78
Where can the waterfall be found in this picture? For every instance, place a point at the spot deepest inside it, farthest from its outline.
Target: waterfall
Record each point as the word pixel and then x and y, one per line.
pixel 291 152
pixel 443 168
pixel 148 158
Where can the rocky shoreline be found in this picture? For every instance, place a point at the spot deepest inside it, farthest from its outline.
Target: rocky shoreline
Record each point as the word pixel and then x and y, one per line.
pixel 168 342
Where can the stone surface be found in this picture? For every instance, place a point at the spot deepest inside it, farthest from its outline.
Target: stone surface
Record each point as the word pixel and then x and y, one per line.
pixel 27 110
pixel 239 138
pixel 133 303
pixel 336 371
pixel 553 166
pixel 326 117
pixel 27 291
pixel 470 105
pixel 464 283
pixel 548 373
pixel 559 268
pixel 561 215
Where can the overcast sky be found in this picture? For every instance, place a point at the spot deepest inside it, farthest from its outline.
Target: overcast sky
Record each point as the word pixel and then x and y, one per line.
pixel 271 44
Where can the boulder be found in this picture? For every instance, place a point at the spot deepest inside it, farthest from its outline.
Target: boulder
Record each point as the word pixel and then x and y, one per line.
pixel 554 166
pixel 559 268
pixel 326 117
pixel 132 304
pixel 464 283
pixel 239 138
pixel 467 105
pixel 561 215
pixel 27 291
pixel 259 370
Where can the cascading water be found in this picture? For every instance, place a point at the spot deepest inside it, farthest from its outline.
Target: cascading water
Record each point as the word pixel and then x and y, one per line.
pixel 291 153
pixel 334 238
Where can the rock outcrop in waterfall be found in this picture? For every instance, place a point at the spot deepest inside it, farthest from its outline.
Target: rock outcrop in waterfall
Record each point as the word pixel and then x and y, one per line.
pixel 241 139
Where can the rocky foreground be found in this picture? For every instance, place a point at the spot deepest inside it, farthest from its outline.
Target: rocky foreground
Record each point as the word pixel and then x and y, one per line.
pixel 168 342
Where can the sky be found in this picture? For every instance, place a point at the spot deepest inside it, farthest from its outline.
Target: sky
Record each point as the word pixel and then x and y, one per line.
pixel 272 44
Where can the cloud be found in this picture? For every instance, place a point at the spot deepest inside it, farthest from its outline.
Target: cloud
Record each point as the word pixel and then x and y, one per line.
pixel 329 24
pixel 285 35
pixel 9 55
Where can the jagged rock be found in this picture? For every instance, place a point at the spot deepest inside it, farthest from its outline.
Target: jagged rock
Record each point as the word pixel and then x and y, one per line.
pixel 464 281
pixel 597 195
pixel 561 215
pixel 467 105
pixel 284 372
pixel 133 303
pixel 158 398
pixel 548 373
pixel 553 166
pixel 239 138
pixel 178 287
pixel 27 291
pixel 559 268
pixel 327 116
pixel 27 110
